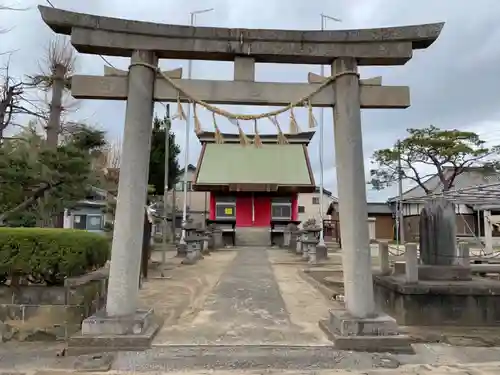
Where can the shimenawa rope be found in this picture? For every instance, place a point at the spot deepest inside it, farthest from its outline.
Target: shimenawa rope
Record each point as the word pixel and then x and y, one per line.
pixel 294 128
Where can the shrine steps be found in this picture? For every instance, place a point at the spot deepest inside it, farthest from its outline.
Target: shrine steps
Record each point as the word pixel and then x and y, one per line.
pixel 252 236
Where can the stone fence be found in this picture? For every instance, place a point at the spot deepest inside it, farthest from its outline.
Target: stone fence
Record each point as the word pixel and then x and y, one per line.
pixel 38 312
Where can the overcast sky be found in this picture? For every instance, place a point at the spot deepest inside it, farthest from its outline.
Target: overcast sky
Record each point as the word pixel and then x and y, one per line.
pixel 454 84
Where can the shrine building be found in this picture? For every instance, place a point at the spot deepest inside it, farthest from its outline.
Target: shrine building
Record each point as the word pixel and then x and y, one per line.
pixel 254 187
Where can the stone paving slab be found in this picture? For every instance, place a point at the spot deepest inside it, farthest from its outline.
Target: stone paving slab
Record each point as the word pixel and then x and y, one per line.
pixel 246 307
pixel 265 357
pixel 304 303
pixel 182 292
pixel 458 369
pixel 269 359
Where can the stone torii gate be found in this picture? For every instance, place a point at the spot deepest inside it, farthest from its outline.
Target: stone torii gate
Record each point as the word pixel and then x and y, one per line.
pixel 147 42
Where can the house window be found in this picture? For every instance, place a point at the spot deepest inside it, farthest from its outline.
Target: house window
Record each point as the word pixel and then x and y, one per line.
pixel 94 222
pixel 88 222
pixel 302 209
pixel 180 186
pixel 225 208
pixel 281 209
pixel 315 200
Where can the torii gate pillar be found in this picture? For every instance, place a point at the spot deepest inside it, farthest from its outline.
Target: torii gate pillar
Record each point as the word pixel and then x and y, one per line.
pixel 356 257
pixel 359 326
pixel 123 288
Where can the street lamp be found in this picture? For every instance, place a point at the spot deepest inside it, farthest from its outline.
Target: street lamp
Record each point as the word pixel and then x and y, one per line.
pixel 187 132
pixel 324 18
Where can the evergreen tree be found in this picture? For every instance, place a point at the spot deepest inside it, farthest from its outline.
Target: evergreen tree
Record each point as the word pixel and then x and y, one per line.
pixel 157 159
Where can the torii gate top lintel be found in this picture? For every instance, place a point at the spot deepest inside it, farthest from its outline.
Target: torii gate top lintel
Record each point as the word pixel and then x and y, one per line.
pixel 119 37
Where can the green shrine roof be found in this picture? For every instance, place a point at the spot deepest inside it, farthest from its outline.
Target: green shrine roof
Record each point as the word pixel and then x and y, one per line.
pixel 271 164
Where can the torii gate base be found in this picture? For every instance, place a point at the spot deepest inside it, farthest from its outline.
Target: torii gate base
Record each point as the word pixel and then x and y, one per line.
pixel 377 334
pixel 146 43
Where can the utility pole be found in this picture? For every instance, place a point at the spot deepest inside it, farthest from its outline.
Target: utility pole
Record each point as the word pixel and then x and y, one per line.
pixel 165 190
pixel 400 234
pixel 187 132
pixel 324 18
pixel 174 213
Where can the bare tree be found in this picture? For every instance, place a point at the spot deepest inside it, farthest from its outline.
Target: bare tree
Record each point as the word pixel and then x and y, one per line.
pixel 14 101
pixel 54 76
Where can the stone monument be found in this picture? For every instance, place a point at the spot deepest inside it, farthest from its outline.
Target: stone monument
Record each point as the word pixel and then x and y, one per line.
pixel 438 232
pixel 438 249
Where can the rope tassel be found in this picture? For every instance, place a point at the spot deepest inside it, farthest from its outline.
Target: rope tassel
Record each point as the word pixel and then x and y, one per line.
pixel 219 139
pixel 244 141
pixel 180 111
pixel 256 138
pixel 294 127
pixel 281 137
pixel 197 124
pixel 312 120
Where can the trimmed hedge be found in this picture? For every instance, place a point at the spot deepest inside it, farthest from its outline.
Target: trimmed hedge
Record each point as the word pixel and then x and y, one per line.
pixel 46 255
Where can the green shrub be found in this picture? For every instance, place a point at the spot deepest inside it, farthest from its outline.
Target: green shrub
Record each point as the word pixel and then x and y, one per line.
pixel 46 255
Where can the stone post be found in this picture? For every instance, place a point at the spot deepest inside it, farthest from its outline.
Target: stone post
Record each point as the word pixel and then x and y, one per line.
pixel 290 237
pixel 207 237
pixel 372 228
pixel 298 247
pixel 383 256
pixel 411 265
pixel 124 269
pixel 293 239
pixel 286 237
pixel 305 247
pixel 219 238
pixel 463 254
pixel 200 234
pixel 488 236
pixel 311 251
pixel 353 210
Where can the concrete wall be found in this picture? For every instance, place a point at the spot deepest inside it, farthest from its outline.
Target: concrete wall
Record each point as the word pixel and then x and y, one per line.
pixel 312 209
pixel 40 313
pixel 439 305
pixel 196 200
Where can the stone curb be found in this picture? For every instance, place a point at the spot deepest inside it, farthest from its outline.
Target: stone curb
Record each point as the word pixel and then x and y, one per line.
pixel 325 291
pixel 485 368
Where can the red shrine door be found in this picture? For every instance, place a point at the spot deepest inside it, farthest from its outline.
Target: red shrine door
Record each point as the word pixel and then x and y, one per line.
pixel 262 211
pixel 253 210
pixel 244 210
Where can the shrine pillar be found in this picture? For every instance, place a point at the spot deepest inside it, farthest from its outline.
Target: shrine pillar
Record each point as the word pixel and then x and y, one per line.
pixel 351 182
pixel 123 287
